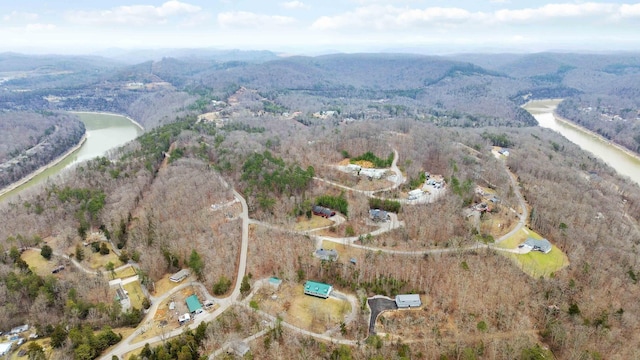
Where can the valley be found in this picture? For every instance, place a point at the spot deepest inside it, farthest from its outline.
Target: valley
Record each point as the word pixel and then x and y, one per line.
pixel 438 180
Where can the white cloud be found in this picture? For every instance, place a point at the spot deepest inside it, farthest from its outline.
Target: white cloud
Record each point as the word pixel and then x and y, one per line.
pixel 16 16
pixel 390 17
pixel 627 10
pixel 40 27
pixel 551 11
pixel 294 5
pixel 134 14
pixel 245 19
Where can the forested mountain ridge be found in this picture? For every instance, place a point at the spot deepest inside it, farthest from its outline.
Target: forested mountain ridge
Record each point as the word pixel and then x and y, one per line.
pixel 29 141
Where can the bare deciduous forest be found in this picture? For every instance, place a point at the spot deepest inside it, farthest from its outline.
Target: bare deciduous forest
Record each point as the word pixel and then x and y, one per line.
pixel 277 138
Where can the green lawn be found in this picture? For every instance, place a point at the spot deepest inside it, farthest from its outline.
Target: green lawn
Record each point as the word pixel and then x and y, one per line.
pixel 535 263
pixel 123 273
pixel 135 294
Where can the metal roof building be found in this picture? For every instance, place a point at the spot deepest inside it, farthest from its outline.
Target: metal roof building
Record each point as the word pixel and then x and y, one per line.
pixel 542 245
pixel 408 301
pixel 317 289
pixel 179 276
pixel 194 304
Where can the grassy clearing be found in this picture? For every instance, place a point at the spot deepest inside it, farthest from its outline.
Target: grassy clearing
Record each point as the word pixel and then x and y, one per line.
pixel 37 263
pixel 96 260
pixel 304 224
pixel 44 342
pixel 163 285
pixel 135 294
pixel 345 252
pixel 534 263
pixel 307 312
pixel 123 273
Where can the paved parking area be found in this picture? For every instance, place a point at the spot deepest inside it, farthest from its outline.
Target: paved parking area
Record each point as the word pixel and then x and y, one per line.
pixel 377 306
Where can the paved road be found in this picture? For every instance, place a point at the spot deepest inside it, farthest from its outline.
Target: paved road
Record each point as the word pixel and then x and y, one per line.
pixel 126 346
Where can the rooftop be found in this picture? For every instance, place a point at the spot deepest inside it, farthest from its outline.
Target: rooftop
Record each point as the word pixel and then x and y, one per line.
pixel 542 245
pixel 193 303
pixel 317 288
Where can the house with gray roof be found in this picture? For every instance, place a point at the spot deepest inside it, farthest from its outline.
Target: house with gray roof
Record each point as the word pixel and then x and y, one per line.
pixel 542 245
pixel 326 254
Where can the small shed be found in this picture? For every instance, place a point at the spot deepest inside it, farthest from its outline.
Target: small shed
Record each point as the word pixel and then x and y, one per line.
pixel 184 318
pixel 542 245
pixel 275 282
pixel 172 305
pixel 180 275
pixel 318 289
pixel 194 304
pixel 408 301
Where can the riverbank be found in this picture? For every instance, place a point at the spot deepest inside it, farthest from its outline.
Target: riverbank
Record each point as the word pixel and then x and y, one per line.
pixel 112 114
pixel 550 105
pixel 44 168
pixel 596 135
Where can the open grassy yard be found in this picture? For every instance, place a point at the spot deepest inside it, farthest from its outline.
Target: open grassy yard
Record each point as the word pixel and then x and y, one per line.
pixel 315 222
pixel 307 312
pixel 345 252
pixel 98 261
pixel 135 293
pixel 129 271
pixel 164 284
pixel 534 263
pixel 38 264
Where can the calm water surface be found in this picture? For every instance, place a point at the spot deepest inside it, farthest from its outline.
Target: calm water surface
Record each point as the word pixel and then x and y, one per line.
pixel 620 160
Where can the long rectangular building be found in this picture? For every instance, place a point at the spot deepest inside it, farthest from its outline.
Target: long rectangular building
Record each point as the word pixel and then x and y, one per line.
pixel 408 301
pixel 318 289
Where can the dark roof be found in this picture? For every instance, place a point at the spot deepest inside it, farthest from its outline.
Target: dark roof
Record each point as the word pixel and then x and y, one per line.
pixel 326 254
pixel 322 210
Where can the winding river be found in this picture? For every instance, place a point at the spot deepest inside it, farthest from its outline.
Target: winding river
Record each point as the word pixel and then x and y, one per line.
pixel 623 161
pixel 103 133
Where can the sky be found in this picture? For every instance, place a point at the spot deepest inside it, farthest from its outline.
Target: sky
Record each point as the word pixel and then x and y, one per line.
pixel 308 26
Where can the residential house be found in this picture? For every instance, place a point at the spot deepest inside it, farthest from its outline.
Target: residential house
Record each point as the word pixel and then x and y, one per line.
pixel 326 254
pixel 318 289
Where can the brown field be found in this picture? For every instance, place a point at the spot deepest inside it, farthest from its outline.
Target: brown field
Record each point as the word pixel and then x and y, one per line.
pixel 307 312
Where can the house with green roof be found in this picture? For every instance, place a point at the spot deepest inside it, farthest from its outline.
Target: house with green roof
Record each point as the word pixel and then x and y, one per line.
pixel 318 289
pixel 194 304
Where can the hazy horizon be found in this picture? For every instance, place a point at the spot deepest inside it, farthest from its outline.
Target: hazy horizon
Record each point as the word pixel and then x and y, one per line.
pixel 312 27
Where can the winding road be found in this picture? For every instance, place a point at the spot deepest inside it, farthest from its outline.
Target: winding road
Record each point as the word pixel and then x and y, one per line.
pixel 126 345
